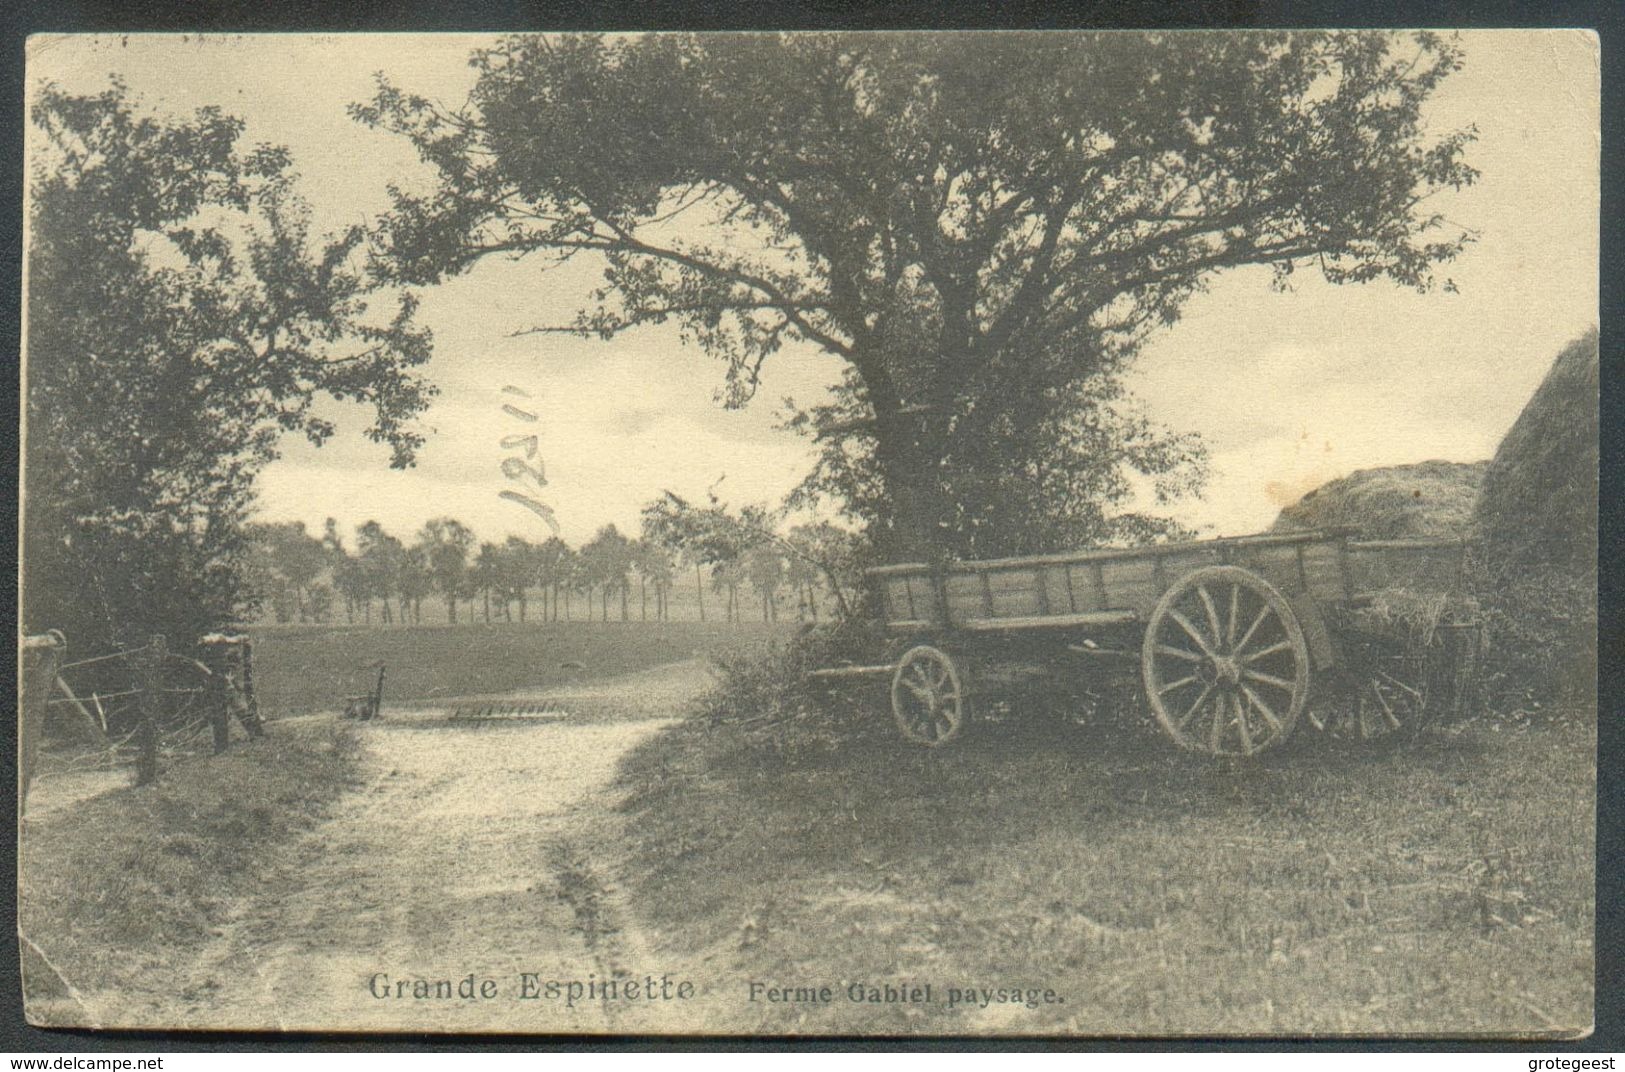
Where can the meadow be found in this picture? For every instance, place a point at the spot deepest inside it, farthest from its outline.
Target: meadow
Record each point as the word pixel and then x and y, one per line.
pixel 303 669
pixel 1446 888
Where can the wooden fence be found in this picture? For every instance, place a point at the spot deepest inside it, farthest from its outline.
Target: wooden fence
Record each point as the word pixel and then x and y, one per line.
pixel 165 701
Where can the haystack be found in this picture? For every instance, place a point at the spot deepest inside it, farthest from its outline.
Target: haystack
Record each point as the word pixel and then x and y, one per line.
pixel 1537 523
pixel 1539 500
pixel 1433 498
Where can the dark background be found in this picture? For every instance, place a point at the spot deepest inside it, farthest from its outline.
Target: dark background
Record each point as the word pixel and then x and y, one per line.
pixel 1608 18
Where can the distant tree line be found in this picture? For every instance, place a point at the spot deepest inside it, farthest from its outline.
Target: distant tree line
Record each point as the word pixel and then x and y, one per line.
pixel 735 558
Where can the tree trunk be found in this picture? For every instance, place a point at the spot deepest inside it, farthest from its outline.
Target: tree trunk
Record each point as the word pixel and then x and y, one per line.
pixel 643 598
pixel 521 606
pixel 625 588
pixel 699 585
pixel 904 455
pixel 487 604
pixel 451 610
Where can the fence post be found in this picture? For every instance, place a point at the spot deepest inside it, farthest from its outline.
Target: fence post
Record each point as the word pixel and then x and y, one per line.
pixel 40 656
pixel 151 671
pixel 248 681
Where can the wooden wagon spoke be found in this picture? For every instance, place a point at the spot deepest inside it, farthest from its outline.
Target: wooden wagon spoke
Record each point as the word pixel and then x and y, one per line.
pixel 1264 709
pixel 1241 726
pixel 1195 634
pixel 1271 679
pixel 1235 608
pixel 1274 649
pixel 1186 719
pixel 1180 653
pixel 1246 638
pixel 1394 681
pixel 1212 613
pixel 1181 683
pixel 1216 740
pixel 1387 710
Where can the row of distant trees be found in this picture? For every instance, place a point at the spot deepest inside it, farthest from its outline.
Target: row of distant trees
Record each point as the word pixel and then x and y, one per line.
pixel 305 577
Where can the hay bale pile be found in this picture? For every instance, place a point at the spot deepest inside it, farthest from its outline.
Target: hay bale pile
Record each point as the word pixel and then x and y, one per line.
pixel 1537 523
pixel 1431 498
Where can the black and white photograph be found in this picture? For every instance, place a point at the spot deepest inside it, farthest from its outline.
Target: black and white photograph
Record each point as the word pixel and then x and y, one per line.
pixel 869 534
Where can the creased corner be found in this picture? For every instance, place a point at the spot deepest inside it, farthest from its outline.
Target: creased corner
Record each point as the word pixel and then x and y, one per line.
pixel 91 1020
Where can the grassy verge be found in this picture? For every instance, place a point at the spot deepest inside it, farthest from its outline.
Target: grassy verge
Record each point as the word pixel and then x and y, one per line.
pixel 139 877
pixel 298 670
pixel 1445 888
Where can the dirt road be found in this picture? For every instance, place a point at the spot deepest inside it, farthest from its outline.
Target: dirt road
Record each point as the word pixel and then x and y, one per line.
pixel 465 854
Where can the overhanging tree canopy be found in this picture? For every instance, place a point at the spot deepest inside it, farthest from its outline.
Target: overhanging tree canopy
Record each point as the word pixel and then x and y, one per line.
pixel 982 225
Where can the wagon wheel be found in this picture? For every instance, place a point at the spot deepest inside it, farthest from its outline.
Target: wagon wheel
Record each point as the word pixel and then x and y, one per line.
pixel 1386 703
pixel 928 697
pixel 1225 663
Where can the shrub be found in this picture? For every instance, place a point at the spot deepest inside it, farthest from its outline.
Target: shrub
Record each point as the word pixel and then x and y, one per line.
pixel 766 691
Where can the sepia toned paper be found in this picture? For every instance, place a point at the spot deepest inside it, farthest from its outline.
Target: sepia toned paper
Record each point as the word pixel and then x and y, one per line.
pixel 943 534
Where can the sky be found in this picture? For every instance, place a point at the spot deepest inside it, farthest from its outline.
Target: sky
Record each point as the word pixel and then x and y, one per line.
pixel 1287 390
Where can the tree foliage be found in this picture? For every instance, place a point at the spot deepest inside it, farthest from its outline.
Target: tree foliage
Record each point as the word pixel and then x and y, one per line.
pixel 181 318
pixel 983 226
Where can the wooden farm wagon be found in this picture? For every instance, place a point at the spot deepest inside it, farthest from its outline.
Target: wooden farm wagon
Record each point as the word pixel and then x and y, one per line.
pixel 1237 640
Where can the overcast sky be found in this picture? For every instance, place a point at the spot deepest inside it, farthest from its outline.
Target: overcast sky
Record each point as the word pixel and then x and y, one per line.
pixel 1288 390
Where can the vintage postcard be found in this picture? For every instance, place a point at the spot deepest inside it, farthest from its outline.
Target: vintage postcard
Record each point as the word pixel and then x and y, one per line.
pixel 1032 533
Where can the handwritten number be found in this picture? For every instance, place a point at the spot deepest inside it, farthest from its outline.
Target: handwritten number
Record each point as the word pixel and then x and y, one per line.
pixel 529 442
pixel 542 511
pixel 518 469
pixel 514 469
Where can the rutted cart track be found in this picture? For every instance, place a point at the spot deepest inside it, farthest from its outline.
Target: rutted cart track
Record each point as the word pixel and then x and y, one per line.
pixel 464 851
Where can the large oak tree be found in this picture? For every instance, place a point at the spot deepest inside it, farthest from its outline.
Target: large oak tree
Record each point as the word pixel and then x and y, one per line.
pixel 983 226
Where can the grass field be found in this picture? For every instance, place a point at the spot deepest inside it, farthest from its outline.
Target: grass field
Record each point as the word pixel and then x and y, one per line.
pixel 141 877
pixel 302 669
pixel 1447 888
